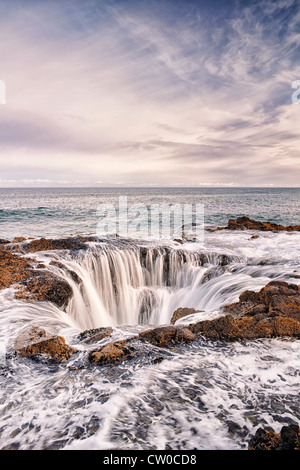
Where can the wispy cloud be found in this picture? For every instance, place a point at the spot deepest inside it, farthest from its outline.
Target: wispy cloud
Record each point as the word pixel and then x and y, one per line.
pixel 150 92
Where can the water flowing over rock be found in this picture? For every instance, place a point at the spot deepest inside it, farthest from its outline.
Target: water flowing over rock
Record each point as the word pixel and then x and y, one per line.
pixel 32 283
pixel 111 353
pixel 44 244
pixel 181 313
pixel 38 345
pixel 94 335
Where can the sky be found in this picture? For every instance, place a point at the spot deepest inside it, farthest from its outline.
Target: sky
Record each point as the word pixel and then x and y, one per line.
pixel 149 93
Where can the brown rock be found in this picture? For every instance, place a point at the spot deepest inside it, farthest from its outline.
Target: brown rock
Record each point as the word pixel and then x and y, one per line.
pixel 288 306
pixel 32 284
pixel 44 244
pixel 244 308
pixel 94 335
pixel 276 288
pixel 246 327
pixel 250 296
pixel 267 439
pixel 182 312
pixel 29 336
pixel 13 268
pixel 111 353
pixel 18 239
pixel 165 336
pixel 245 223
pixel 39 346
pixel 47 288
pixel 71 273
pixel 222 328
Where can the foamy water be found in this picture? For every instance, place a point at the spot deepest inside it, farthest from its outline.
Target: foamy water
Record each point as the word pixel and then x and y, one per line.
pixel 206 395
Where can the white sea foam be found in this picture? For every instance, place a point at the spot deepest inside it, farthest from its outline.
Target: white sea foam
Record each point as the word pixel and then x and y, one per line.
pixel 201 396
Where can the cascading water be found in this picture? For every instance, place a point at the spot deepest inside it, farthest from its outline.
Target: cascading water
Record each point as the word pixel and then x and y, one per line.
pixel 129 284
pixel 205 395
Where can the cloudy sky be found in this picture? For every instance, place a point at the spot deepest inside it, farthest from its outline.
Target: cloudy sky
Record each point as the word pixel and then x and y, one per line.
pixel 154 92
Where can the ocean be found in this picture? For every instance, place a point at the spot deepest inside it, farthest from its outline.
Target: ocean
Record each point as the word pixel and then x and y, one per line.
pixel 207 395
pixel 55 212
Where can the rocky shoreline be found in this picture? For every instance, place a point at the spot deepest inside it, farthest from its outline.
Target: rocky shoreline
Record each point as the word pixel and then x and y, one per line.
pixel 274 311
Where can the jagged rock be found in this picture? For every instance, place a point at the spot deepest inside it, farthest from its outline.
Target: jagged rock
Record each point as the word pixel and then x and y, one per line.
pixel 13 268
pixel 287 306
pixel 18 239
pixel 222 328
pixel 267 439
pixel 30 283
pixel 277 298
pixel 44 244
pixel 277 288
pixel 111 353
pixel 36 344
pixel 95 335
pixel 71 273
pixel 182 312
pixel 245 223
pixel 167 335
pixel 47 288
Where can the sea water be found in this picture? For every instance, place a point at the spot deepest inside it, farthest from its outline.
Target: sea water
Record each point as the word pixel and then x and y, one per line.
pixel 205 395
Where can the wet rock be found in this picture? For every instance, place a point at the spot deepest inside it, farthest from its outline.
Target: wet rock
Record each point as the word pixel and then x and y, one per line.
pixel 275 288
pixel 18 239
pixel 111 353
pixel 182 312
pixel 44 244
pixel 244 308
pixel 36 344
pixel 13 268
pixel 29 336
pixel 254 327
pixel 245 223
pixel 290 437
pixel 286 306
pixel 71 273
pixel 232 329
pixel 249 296
pixel 166 336
pixel 263 314
pixel 267 439
pixel 222 328
pixel 30 282
pixel 95 335
pixel 276 298
pixel 47 288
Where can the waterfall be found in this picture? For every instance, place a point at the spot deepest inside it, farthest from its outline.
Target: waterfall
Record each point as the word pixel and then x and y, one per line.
pixel 127 284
